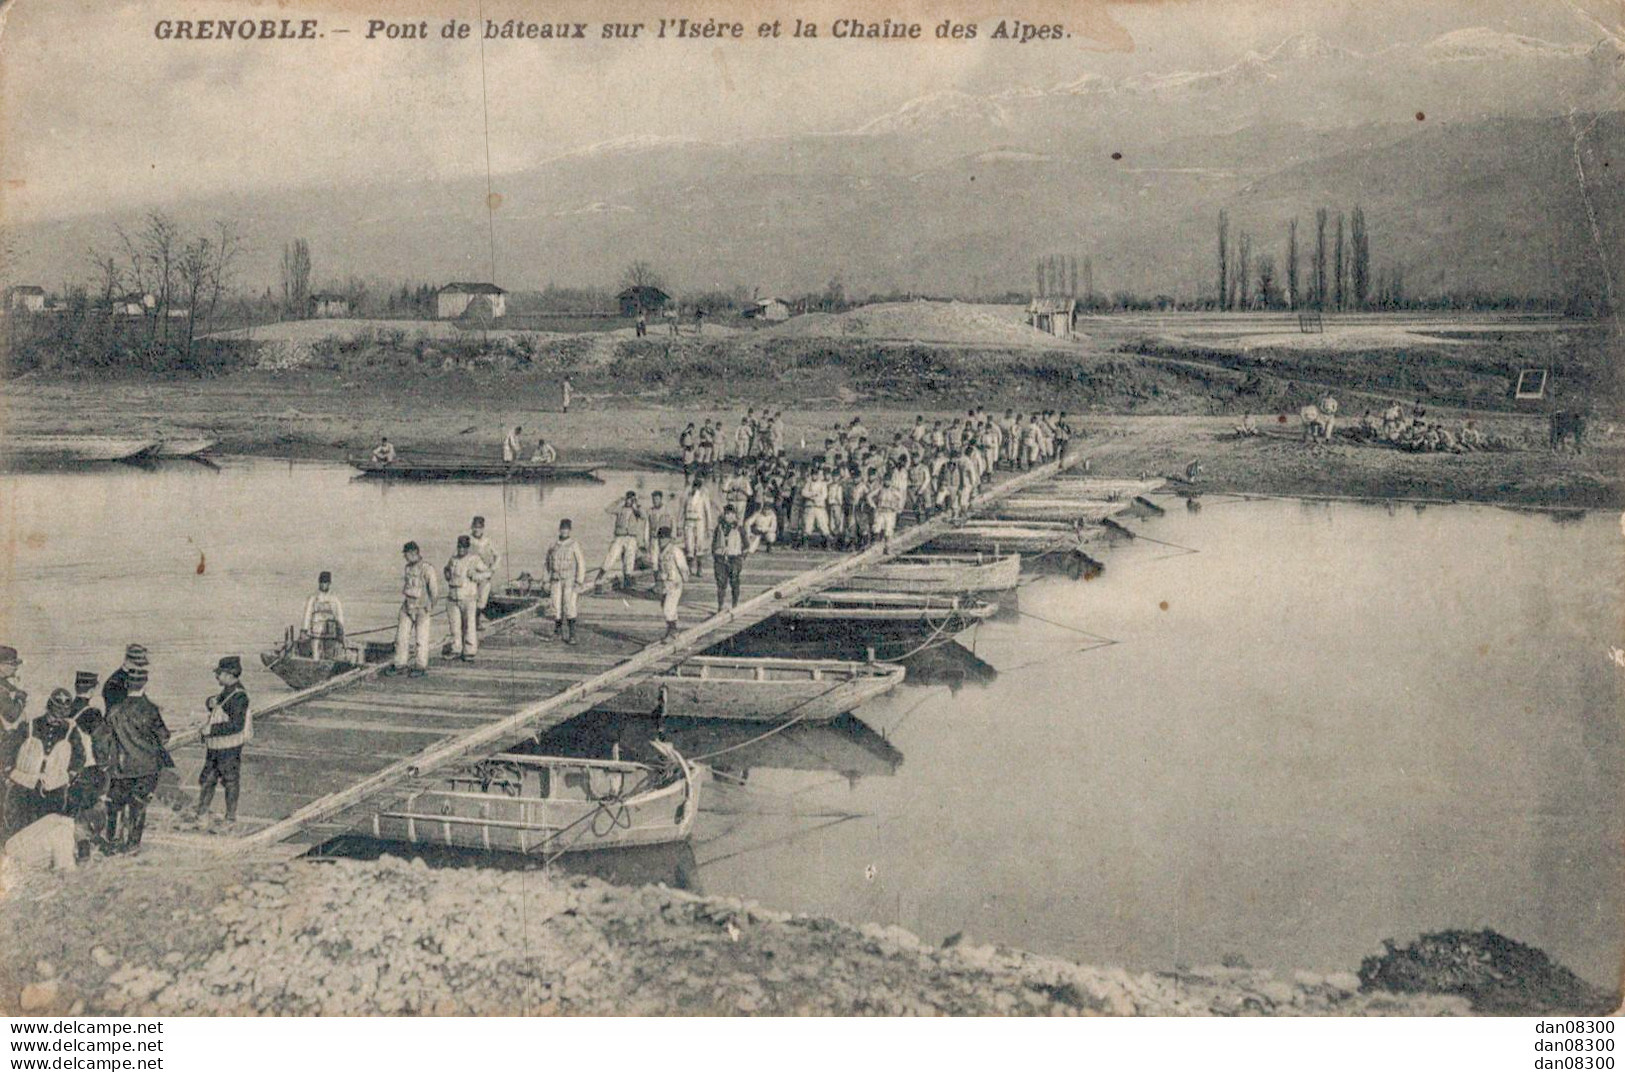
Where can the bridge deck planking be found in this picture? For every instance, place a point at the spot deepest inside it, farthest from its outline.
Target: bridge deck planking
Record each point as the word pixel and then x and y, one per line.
pixel 323 762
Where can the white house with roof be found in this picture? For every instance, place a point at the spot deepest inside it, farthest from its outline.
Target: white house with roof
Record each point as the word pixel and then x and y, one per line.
pixel 456 299
pixel 25 299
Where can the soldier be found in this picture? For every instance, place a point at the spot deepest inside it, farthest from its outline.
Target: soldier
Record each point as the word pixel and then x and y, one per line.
pixel 660 517
pixel 545 454
pixel 15 726
pixel 567 570
pixel 567 393
pixel 483 546
pixel 698 518
pixel 743 435
pixel 815 509
pixel 116 686
pixel 324 620
pixel 230 726
pixel 673 570
pixel 511 446
pixel 728 557
pixel 91 722
pixel 465 572
pixel 420 587
pixel 686 443
pixel 141 756
pixel 384 452
pixel 623 547
pixel 49 760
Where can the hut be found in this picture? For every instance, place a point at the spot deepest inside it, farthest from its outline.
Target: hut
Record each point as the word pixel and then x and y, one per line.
pixel 1053 316
pixel 454 299
pixel 642 299
pixel 773 310
pixel 25 299
pixel 330 305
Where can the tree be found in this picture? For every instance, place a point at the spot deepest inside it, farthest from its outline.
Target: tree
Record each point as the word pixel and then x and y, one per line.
pixel 1294 296
pixel 1362 258
pixel 1244 272
pixel 1266 281
pixel 1320 258
pixel 1072 277
pixel 641 274
pixel 1041 277
pixel 1339 268
pixel 296 278
pixel 1224 259
pixel 1088 279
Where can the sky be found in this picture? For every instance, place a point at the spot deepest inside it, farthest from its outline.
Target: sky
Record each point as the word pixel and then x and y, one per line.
pixel 98 114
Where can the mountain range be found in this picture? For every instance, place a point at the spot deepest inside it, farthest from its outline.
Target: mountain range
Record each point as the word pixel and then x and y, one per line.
pixel 1465 152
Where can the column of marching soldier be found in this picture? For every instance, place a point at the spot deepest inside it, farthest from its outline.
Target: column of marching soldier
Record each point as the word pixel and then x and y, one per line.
pixel 80 772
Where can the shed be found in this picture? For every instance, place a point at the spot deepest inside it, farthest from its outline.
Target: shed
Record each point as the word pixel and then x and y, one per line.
pixel 454 299
pixel 1053 316
pixel 25 299
pixel 330 305
pixel 772 310
pixel 635 300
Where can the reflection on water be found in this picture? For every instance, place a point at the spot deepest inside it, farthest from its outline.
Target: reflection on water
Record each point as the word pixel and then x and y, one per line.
pixel 1333 725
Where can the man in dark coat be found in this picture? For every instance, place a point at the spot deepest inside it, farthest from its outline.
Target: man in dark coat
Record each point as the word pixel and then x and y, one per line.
pixel 89 721
pixel 228 730
pixel 47 764
pixel 117 686
pixel 139 736
pixel 15 725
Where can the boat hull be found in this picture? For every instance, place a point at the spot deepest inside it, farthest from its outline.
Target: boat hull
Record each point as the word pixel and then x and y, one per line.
pixel 75 449
pixel 547 805
pixel 1027 538
pixel 1058 509
pixel 473 471
pixel 941 575
pixel 759 690
pixel 183 448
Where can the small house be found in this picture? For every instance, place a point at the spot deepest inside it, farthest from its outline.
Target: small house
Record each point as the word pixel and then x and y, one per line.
pixel 330 305
pixel 1053 316
pixel 646 300
pixel 486 300
pixel 772 310
pixel 25 299
pixel 127 305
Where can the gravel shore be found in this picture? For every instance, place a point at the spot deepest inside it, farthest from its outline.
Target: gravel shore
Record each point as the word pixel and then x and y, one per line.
pixel 173 934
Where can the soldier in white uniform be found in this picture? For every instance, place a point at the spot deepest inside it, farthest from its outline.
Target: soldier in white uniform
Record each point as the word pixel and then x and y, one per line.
pixel 623 549
pixel 324 620
pixel 483 546
pixel 420 587
pixel 465 571
pixel 673 571
pixel 567 572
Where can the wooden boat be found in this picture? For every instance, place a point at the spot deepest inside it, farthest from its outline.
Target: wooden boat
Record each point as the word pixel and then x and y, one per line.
pixel 963 574
pixel 1097 487
pixel 1056 508
pixel 946 663
pixel 524 594
pixel 550 804
pixel 1027 537
pixel 75 448
pixel 183 446
pixel 455 468
pixel 886 612
pixel 759 690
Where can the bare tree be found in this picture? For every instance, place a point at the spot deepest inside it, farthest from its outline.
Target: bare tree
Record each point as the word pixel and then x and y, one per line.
pixel 641 274
pixel 1320 258
pixel 1266 281
pixel 1088 279
pixel 151 254
pixel 1244 274
pixel 1362 258
pixel 1294 296
pixel 1041 278
pixel 1224 259
pixel 1072 277
pixel 296 278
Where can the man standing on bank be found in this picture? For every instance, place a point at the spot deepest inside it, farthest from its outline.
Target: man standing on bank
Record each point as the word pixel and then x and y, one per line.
pixel 567 572
pixel 420 587
pixel 465 572
pixel 230 727
pixel 140 737
pixel 728 557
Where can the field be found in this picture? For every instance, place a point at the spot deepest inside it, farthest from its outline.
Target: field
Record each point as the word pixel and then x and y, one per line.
pixel 1155 392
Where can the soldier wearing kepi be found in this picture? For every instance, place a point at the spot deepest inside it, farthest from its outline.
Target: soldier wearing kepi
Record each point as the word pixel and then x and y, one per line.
pixel 15 726
pixel 117 685
pixel 46 764
pixel 481 545
pixel 324 620
pixel 673 571
pixel 623 549
pixel 420 586
pixel 465 572
pixel 230 727
pixel 141 756
pixel 567 572
pixel 91 722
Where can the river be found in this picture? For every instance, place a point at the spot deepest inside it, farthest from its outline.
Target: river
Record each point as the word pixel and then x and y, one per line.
pixel 1329 725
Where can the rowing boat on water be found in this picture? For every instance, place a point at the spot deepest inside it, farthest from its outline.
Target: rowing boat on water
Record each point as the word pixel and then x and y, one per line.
pixel 1027 537
pixel 759 690
pixel 454 468
pixel 1097 487
pixel 886 613
pixel 550 804
pixel 946 574
pixel 75 448
pixel 1056 508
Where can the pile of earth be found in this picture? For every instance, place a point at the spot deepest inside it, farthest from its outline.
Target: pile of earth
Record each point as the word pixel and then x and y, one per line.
pixel 1495 973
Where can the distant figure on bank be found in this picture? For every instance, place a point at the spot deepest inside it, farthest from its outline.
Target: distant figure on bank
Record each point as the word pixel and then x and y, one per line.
pixel 728 557
pixel 384 452
pixel 1247 427
pixel 545 454
pixel 642 324
pixel 623 549
pixel 420 587
pixel 230 727
pixel 567 572
pixel 511 447
pixel 140 738
pixel 324 620
pixel 673 573
pixel 464 572
pixel 1328 414
pixel 567 396
pixel 486 549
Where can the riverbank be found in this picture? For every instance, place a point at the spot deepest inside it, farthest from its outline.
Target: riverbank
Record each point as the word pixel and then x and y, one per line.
pixel 320 416
pixel 175 934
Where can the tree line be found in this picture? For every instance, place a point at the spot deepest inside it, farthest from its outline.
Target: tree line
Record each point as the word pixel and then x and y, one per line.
pixel 1337 275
